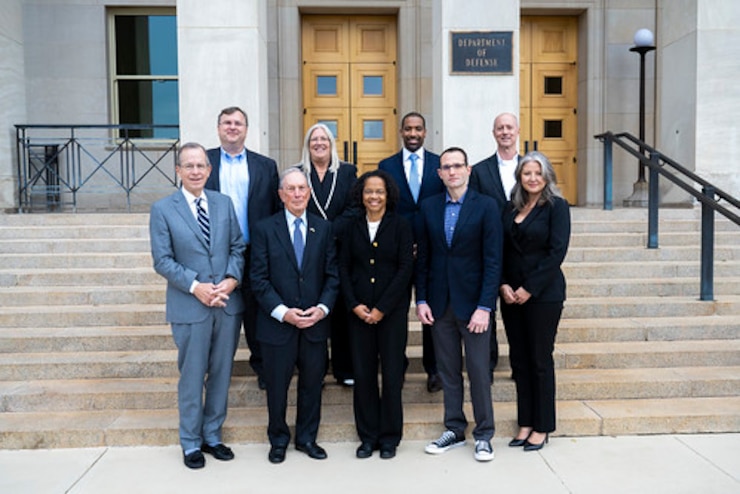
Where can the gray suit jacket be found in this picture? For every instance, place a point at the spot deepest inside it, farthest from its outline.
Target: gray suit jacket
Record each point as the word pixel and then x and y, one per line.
pixel 181 254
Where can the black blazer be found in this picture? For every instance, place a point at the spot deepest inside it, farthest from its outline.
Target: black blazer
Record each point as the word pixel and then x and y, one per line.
pixel 339 211
pixel 467 274
pixel 377 273
pixel 262 199
pixel 276 278
pixel 486 179
pixel 431 184
pixel 535 249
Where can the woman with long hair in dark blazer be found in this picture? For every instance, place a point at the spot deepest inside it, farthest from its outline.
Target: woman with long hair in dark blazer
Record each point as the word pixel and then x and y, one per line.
pixel 375 266
pixel 536 235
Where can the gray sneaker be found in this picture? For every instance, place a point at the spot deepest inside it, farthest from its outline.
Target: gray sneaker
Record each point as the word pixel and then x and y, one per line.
pixel 483 450
pixel 447 440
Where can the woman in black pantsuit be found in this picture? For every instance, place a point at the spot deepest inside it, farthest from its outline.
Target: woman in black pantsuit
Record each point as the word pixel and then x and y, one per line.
pixel 375 267
pixel 536 235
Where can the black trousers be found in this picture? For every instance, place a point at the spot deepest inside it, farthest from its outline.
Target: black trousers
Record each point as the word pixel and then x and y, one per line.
pixel 531 330
pixel 341 354
pixel 379 411
pixel 249 319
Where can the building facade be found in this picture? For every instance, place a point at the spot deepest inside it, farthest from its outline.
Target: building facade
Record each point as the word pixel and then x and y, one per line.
pixel 358 65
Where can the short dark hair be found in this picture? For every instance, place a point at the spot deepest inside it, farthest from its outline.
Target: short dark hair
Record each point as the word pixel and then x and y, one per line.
pixel 454 149
pixel 230 110
pixel 414 114
pixel 391 189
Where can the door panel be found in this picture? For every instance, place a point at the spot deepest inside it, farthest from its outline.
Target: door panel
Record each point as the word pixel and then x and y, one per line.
pixel 549 95
pixel 352 87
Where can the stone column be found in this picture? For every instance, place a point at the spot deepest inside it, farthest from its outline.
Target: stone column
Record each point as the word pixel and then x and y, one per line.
pixel 222 61
pixel 12 98
pixel 699 98
pixel 465 105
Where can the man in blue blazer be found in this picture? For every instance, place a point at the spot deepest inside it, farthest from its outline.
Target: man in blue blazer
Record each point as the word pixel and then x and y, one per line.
pixel 494 177
pixel 251 180
pixel 198 247
pixel 295 277
pixel 457 278
pixel 414 169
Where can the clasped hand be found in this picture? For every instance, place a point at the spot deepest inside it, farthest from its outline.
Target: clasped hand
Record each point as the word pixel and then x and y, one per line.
pixel 215 295
pixel 303 319
pixel 367 315
pixel 511 296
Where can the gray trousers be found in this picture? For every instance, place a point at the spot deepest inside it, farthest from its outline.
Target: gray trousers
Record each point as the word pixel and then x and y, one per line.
pixel 449 335
pixel 205 357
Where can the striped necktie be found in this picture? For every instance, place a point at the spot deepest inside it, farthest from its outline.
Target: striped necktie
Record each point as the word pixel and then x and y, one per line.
pixel 203 222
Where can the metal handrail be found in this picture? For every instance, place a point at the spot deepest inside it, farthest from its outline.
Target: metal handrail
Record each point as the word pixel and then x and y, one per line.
pixel 709 195
pixel 77 155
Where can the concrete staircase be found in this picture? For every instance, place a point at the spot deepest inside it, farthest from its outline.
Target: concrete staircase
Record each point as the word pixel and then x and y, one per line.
pixel 87 360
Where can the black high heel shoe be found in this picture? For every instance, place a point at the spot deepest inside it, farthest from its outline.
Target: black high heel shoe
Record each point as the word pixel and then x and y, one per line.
pixel 517 443
pixel 536 447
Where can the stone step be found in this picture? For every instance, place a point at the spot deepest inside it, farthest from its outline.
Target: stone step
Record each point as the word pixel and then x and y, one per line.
pixel 575 308
pixel 645 270
pixel 421 422
pixel 87 231
pixel 35 295
pixel 618 225
pixel 74 246
pixel 57 220
pixel 639 240
pixel 159 337
pixel 142 258
pixel 163 363
pixel 161 393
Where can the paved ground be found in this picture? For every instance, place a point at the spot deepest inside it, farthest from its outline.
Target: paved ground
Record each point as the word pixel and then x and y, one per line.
pixel 708 463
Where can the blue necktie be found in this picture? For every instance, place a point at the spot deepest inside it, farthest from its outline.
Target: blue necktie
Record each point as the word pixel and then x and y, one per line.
pixel 298 243
pixel 203 221
pixel 414 182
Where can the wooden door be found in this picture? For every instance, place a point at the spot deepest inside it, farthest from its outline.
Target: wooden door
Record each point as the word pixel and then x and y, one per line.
pixel 349 83
pixel 549 93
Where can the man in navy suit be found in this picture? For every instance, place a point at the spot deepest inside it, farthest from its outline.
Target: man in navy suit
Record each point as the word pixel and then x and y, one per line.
pixel 295 277
pixel 414 169
pixel 198 247
pixel 494 176
pixel 457 278
pixel 251 180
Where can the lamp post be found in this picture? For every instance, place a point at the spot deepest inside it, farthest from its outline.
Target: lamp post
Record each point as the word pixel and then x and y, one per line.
pixel 644 43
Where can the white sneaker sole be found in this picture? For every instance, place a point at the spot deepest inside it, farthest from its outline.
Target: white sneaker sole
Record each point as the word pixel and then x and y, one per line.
pixel 484 456
pixel 433 449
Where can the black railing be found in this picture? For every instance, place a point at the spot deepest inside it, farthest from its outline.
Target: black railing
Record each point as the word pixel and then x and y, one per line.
pixel 705 192
pixel 59 164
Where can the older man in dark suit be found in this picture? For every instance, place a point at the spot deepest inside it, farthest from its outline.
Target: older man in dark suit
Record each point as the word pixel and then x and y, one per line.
pixel 294 275
pixel 457 279
pixel 197 246
pixel 494 177
pixel 414 169
pixel 251 180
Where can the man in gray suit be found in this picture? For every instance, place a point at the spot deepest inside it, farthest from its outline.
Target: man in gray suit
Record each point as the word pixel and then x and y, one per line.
pixel 198 247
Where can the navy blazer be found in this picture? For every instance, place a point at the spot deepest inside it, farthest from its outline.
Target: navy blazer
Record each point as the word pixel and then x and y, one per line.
pixel 276 278
pixel 535 248
pixel 485 177
pixel 182 255
pixel 377 273
pixel 263 200
pixel 466 274
pixel 431 184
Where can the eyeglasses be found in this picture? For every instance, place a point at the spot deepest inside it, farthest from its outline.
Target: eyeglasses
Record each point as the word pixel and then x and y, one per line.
pixel 234 123
pixel 319 139
pixel 452 166
pixel 192 166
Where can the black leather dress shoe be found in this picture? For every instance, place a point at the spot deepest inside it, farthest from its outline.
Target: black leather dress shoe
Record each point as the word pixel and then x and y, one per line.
pixel 365 450
pixel 387 452
pixel 219 451
pixel 277 454
pixel 434 383
pixel 195 460
pixel 313 450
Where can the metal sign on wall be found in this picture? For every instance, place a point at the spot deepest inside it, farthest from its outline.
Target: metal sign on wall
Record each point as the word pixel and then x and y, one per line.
pixel 481 52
